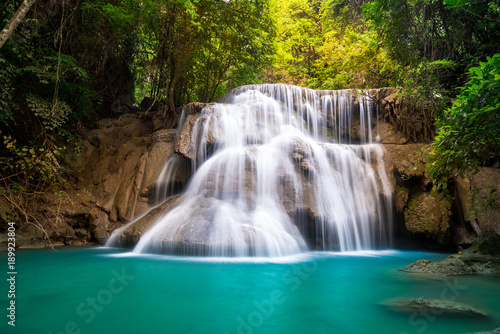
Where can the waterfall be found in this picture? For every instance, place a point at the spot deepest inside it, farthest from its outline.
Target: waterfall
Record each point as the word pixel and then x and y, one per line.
pixel 278 169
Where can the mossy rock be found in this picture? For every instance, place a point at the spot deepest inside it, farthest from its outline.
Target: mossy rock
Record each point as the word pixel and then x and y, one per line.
pixel 427 214
pixel 487 243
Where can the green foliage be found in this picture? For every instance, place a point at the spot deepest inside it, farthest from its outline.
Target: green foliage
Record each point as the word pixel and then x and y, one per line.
pixel 469 134
pixel 328 45
pixel 39 164
pixel 44 95
pixel 53 113
pixel 421 32
pixel 52 87
pixel 197 50
pixel 6 91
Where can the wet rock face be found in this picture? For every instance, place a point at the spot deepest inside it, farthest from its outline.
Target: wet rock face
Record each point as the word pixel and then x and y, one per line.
pixel 130 235
pixel 184 144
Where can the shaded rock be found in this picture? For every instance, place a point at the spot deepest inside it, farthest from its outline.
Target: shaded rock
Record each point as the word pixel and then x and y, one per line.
pixel 401 199
pixel 429 215
pixel 425 305
pixel 406 161
pixel 464 197
pixel 488 244
pixel 485 203
pixel 99 227
pixel 470 261
pixel 183 143
pixel 388 135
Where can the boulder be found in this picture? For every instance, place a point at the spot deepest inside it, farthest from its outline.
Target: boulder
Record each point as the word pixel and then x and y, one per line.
pixel 429 215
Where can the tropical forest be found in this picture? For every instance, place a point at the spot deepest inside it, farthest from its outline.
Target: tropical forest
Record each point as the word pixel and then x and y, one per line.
pixel 250 166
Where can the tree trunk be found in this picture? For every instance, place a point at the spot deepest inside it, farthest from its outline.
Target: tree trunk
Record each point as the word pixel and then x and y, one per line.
pixel 15 20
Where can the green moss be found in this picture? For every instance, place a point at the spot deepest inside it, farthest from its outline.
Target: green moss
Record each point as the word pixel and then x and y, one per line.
pixel 413 201
pixel 403 189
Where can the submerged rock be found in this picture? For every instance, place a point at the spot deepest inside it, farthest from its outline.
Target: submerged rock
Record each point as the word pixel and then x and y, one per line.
pixel 433 306
pixel 495 331
pixel 483 257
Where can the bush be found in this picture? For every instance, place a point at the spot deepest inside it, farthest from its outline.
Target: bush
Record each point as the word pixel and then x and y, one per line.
pixel 469 133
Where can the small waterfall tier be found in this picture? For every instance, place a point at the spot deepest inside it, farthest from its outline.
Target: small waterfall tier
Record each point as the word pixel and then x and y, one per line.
pixel 276 170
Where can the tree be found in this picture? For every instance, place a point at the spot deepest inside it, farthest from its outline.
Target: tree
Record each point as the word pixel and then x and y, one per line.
pixel 15 20
pixel 456 33
pixel 194 45
pixel 328 45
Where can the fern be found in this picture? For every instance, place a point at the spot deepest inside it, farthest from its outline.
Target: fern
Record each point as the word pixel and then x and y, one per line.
pixel 53 113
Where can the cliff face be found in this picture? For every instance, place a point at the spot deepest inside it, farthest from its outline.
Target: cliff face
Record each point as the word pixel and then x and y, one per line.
pixel 123 158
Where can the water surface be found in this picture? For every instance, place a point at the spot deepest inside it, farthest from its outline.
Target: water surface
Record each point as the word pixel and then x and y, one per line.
pixel 97 290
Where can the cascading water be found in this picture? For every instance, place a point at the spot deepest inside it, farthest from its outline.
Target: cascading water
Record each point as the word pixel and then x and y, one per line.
pixel 278 169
